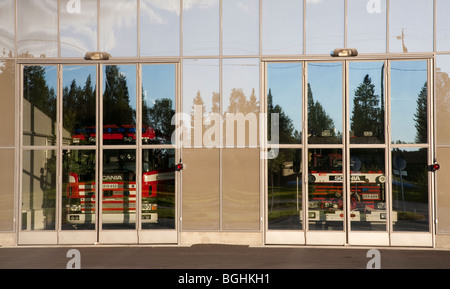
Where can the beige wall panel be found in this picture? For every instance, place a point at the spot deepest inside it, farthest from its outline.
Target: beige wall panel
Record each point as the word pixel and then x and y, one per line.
pixel 7 190
pixel 240 178
pixel 443 191
pixel 200 192
pixel 7 107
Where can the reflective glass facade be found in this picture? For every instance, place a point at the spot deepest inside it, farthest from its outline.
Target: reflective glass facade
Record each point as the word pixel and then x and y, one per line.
pixel 225 65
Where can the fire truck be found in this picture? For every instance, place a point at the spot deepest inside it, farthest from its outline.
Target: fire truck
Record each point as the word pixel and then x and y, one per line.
pixel 326 188
pixel 119 189
pixel 111 133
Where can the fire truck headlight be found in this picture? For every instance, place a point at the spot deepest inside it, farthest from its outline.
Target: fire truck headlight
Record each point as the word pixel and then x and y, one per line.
pixel 381 205
pixel 75 208
pixel 149 207
pixel 381 179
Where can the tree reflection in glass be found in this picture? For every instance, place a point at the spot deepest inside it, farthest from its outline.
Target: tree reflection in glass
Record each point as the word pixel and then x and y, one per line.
pixel 119 104
pixel 39 106
pixel 79 105
pixel 325 103
pixel 284 97
pixel 366 102
pixel 158 103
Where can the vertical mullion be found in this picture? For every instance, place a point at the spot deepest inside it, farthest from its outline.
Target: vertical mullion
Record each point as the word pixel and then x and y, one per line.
pixel 99 139
pixel 305 168
pixel 387 25
pixel 345 22
pixel 346 152
pixel 59 140
pixel 221 113
pixel 388 173
pixel 138 148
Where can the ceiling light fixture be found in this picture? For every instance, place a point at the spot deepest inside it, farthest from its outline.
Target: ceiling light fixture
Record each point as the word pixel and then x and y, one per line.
pixel 344 52
pixel 97 56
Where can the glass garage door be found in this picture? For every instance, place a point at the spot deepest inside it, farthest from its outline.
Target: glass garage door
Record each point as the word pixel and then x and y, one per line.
pixel 98 165
pixel 350 165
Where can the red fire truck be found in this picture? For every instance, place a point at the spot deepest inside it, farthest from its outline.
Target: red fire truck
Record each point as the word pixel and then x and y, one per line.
pixel 119 189
pixel 326 187
pixel 122 133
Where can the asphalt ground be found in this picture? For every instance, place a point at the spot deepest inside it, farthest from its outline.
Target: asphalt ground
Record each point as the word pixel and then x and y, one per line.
pixel 221 257
pixel 221 266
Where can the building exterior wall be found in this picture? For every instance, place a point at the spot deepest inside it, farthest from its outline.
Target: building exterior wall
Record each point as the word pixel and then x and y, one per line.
pixel 221 47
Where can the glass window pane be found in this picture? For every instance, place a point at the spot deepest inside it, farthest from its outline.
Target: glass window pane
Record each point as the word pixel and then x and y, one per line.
pixel 79 105
pixel 366 88
pixel 442 99
pixel 158 189
pixel 366 26
pixel 325 189
pixel 7 28
pixel 119 104
pixel 119 189
pixel 409 101
pixel 158 103
pixel 7 109
pixel 410 190
pixel 410 26
pixel 39 178
pixel 78 28
pixel 201 27
pixel 78 190
pixel 284 190
pixel 201 189
pixel 324 26
pixel 285 16
pixel 442 25
pixel 241 102
pixel 7 202
pixel 39 105
pixel 325 102
pixel 160 28
pixel 240 27
pixel 37 28
pixel 240 189
pixel 368 190
pixel 201 101
pixel 118 27
pixel 284 97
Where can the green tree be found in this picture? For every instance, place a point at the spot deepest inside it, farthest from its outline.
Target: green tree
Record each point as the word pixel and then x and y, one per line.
pixel 318 119
pixel 160 117
pixel 367 113
pixel 116 98
pixel 285 125
pixel 420 117
pixel 37 92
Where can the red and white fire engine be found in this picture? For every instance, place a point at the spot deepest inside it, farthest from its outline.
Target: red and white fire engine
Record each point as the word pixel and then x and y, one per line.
pixel 123 133
pixel 326 187
pixel 119 191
